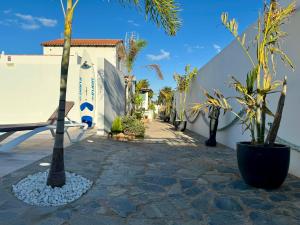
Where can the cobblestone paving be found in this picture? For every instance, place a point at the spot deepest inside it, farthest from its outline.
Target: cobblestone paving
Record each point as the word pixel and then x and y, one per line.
pixel 176 181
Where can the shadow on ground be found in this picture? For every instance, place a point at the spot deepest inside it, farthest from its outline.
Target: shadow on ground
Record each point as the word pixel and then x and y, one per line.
pixel 155 182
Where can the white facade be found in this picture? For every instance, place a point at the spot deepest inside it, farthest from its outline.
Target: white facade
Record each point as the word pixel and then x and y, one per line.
pixel 110 53
pixel 29 86
pixel 232 61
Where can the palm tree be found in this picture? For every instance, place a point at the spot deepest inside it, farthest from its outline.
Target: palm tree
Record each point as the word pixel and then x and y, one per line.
pixel 133 49
pixel 163 12
pixel 165 97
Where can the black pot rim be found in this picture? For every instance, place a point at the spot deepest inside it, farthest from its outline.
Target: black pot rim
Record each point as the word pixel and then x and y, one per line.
pixel 276 145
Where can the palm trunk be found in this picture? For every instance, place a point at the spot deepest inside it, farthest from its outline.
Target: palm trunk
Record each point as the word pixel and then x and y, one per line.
pixel 271 138
pixel 57 177
pixel 263 120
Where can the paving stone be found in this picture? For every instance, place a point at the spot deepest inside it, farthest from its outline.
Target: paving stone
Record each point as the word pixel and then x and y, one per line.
pixel 202 181
pixel 226 218
pixel 227 203
pixel 186 183
pixel 260 218
pixel 173 182
pixel 202 203
pixel 162 181
pixel 179 201
pixel 151 187
pixel 194 191
pixel 278 197
pixel 239 185
pixel 122 206
pixel 256 203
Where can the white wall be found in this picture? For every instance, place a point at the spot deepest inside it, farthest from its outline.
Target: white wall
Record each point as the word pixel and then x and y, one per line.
pixel 29 88
pixel 232 61
pixel 109 53
pixel 114 94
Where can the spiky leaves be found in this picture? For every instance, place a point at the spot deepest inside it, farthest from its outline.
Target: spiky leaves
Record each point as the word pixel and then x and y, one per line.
pixel 259 81
pixel 183 86
pixel 134 48
pixel 164 13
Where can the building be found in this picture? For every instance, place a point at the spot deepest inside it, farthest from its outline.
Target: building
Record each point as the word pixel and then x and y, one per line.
pixel 29 84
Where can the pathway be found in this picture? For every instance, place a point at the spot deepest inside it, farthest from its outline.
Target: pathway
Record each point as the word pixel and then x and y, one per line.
pixel 168 179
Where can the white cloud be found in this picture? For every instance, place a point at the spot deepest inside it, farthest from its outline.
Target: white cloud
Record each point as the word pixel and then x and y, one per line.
pixel 29 26
pixel 192 48
pixel 47 22
pixel 133 23
pixel 217 48
pixel 163 55
pixel 28 18
pixel 27 21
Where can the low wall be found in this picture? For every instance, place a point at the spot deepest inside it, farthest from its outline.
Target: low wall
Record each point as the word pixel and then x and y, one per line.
pixel 232 61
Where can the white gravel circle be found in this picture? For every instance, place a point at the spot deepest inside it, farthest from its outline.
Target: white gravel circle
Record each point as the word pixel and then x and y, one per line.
pixel 34 190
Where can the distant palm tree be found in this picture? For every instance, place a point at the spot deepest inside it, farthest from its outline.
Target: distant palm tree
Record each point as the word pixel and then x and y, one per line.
pixel 165 97
pixel 163 12
pixel 132 50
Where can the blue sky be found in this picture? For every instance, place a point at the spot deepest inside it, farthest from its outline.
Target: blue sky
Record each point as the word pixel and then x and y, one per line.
pixel 25 24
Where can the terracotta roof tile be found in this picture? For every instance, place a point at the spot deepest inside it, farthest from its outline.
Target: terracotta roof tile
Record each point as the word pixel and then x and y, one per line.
pixel 84 42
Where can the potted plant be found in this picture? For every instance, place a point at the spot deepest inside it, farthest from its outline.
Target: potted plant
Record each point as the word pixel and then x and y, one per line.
pixel 262 162
pixel 117 129
pixel 183 87
pixel 133 127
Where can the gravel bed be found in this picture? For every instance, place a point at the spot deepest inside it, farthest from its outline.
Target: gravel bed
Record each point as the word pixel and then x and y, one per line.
pixel 34 190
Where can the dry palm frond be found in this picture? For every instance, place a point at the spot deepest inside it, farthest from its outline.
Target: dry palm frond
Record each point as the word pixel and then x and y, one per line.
pixel 157 69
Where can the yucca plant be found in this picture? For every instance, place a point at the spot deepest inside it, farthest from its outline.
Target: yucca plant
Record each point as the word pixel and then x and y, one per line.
pixel 260 83
pixel 183 87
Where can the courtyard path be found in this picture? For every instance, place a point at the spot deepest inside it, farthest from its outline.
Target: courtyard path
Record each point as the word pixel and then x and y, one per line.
pixel 169 178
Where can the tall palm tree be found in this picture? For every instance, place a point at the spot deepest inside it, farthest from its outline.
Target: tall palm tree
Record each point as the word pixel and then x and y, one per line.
pixel 163 12
pixel 132 51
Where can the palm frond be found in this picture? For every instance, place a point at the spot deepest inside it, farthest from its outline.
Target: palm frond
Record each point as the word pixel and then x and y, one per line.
pixel 163 13
pixel 157 69
pixel 135 46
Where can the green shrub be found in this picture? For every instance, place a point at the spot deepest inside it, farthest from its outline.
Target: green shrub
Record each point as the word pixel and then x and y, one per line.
pixel 116 126
pixel 132 125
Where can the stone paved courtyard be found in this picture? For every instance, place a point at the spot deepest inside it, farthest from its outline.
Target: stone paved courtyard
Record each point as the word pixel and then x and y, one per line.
pixel 168 179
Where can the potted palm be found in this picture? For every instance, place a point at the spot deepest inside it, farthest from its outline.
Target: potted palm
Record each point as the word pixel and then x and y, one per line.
pixel 262 162
pixel 183 88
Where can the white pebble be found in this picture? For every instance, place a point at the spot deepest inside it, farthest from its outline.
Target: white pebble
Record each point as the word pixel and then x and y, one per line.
pixel 34 190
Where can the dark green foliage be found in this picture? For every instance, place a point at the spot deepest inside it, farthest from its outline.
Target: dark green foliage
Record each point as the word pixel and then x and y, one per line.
pixel 132 125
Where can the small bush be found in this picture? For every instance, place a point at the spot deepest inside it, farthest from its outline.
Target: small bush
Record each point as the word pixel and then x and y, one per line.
pixel 116 126
pixel 132 125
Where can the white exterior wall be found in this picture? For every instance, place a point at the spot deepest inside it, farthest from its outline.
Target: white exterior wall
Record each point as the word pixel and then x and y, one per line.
pixel 29 89
pixel 109 53
pixel 232 61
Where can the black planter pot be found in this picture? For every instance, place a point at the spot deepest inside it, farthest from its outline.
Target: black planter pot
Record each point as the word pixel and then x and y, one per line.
pixel 167 119
pixel 263 166
pixel 180 125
